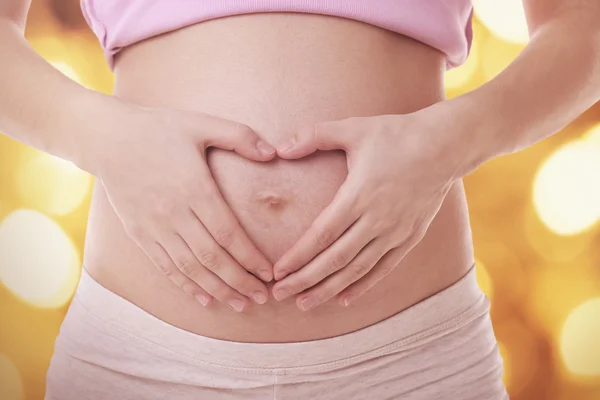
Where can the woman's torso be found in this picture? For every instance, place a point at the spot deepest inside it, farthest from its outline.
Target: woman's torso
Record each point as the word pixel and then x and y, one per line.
pixel 276 72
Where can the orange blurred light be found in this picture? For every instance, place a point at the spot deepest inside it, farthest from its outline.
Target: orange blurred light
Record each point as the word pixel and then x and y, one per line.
pixel 11 386
pixel 497 55
pixel 556 289
pixel 459 76
pixel 484 280
pixel 67 70
pixel 566 191
pixel 505 19
pixel 580 339
pixel 50 184
pixel 40 264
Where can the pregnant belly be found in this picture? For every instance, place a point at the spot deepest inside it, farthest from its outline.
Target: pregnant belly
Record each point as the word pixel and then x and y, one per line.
pixel 276 201
pixel 276 72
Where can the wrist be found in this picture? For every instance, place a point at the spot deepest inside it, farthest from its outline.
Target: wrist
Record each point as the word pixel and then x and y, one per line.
pixel 467 134
pixel 95 120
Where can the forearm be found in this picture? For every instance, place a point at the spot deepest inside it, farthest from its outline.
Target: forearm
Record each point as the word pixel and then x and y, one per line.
pixel 41 107
pixel 554 80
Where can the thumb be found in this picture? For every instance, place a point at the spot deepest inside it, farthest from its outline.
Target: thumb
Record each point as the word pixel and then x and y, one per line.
pixel 238 137
pixel 308 139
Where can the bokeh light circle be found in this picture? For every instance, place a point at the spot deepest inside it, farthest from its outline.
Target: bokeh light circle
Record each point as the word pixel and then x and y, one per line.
pixel 502 272
pixel 52 185
pixel 40 264
pixel 555 290
pixel 11 386
pixel 67 70
pixel 505 19
pixel 548 246
pixel 580 339
pixel 566 191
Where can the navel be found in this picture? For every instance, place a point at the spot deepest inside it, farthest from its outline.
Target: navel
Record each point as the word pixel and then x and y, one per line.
pixel 270 198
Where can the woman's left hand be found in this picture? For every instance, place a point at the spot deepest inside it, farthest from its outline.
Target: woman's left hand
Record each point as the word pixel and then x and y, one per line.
pixel 397 179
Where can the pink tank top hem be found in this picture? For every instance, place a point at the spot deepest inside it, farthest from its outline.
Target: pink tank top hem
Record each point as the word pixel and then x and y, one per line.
pixel 441 24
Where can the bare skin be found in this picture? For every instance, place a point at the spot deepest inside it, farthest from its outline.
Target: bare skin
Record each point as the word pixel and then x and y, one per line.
pixel 360 237
pixel 275 74
pixel 290 76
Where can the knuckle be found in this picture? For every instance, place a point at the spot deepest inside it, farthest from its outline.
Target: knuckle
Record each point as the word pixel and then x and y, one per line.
pixel 242 130
pixel 188 268
pixel 190 288
pixel 297 286
pixel 383 225
pixel 385 271
pixel 420 233
pixel 239 283
pixel 210 260
pixel 165 270
pixel 202 198
pixel 360 270
pixel 320 296
pixel 302 284
pixel 190 193
pixel 338 262
pixel 324 238
pixel 225 237
pixel 223 293
pixel 136 232
pixel 164 207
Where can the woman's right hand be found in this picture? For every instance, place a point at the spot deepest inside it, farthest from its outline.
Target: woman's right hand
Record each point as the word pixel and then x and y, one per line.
pixel 152 163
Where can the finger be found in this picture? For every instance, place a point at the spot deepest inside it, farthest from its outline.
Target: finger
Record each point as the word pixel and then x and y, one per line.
pixel 329 225
pixel 230 135
pixel 335 258
pixel 386 264
pixel 217 260
pixel 329 135
pixel 337 282
pixel 186 262
pixel 158 255
pixel 214 213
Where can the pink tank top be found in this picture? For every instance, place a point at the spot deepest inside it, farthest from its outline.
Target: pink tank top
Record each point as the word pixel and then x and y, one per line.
pixel 442 24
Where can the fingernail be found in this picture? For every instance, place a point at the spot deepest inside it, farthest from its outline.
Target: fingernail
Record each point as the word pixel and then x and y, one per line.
pixel 202 299
pixel 285 146
pixel 280 275
pixel 236 304
pixel 348 299
pixel 264 147
pixel 265 275
pixel 259 297
pixel 308 303
pixel 282 293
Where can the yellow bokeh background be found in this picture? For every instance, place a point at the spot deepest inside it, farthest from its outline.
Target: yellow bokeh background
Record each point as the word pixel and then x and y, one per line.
pixel 535 217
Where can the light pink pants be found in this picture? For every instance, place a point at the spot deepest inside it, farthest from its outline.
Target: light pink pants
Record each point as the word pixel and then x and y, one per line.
pixel 441 348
